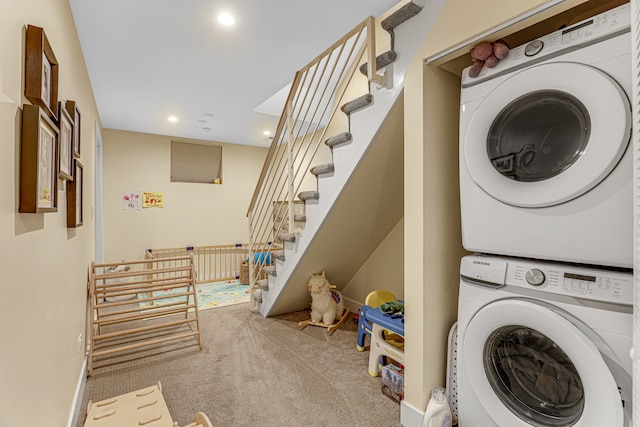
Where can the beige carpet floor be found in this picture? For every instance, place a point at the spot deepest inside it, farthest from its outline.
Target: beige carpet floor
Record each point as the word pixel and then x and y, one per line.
pixel 254 371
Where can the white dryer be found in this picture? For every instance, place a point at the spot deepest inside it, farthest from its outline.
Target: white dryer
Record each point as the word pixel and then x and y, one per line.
pixel 543 344
pixel 545 169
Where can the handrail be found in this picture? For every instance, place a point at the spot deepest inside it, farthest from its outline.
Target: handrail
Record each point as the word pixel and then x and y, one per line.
pixel 310 111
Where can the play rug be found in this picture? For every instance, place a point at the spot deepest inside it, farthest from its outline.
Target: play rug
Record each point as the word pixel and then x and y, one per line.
pixel 210 295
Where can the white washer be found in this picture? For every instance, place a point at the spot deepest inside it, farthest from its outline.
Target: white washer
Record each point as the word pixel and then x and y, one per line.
pixel 545 169
pixel 543 344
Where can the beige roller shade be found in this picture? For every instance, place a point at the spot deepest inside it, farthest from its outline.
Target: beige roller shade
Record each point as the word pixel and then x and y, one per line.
pixel 195 162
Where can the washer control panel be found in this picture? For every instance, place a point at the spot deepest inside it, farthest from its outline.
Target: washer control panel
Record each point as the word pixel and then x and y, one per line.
pixel 605 25
pixel 557 278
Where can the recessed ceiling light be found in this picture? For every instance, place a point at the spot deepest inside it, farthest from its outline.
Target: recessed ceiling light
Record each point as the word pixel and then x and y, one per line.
pixel 266 133
pixel 172 119
pixel 226 19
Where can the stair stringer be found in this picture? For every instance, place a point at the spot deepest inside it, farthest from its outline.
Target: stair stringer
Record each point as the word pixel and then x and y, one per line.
pixel 368 207
pixel 288 290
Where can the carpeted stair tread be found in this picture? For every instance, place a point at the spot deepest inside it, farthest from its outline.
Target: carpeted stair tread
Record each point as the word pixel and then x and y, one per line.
pixel 357 104
pixel 287 237
pixel 299 217
pixel 323 169
pixel 270 270
pixel 278 255
pixel 264 284
pixel 341 138
pixel 381 61
pixel 401 15
pixel 308 195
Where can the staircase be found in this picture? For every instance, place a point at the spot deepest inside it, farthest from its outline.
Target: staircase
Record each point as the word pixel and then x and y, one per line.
pixel 331 187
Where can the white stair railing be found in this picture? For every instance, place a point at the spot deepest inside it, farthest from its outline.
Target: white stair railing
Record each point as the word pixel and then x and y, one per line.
pixel 310 110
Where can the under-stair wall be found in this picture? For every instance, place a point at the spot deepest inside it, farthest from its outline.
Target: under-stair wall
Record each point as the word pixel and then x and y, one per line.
pixel 367 208
pixel 360 198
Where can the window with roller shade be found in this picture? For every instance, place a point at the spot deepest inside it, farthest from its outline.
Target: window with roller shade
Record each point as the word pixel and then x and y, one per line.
pixel 199 163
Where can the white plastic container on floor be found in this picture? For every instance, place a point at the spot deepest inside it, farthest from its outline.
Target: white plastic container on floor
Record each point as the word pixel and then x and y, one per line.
pixel 438 413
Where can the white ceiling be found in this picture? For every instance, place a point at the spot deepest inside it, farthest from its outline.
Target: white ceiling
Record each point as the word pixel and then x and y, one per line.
pixel 149 59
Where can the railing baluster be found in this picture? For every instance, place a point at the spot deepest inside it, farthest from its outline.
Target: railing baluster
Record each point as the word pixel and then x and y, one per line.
pixel 290 143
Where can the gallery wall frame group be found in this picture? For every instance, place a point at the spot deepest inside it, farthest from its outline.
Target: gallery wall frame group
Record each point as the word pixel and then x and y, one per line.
pixel 50 136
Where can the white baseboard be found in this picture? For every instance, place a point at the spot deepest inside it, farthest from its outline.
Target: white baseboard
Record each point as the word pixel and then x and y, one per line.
pixel 410 416
pixel 74 414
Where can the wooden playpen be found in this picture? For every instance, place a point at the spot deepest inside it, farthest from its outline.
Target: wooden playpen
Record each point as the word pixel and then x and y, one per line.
pixel 116 329
pixel 211 263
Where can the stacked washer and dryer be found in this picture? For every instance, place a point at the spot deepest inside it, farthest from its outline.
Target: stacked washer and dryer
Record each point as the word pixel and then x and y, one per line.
pixel 545 306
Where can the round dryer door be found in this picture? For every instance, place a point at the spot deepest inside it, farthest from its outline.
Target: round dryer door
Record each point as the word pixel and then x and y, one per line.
pixel 528 365
pixel 547 134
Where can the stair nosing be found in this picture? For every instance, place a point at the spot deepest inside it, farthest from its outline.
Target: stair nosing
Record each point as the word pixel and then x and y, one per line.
pixel 409 8
pixel 308 195
pixel 326 168
pixel 366 100
pixel 364 68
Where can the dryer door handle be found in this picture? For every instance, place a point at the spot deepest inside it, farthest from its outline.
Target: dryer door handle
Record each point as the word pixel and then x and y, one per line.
pixel 481 282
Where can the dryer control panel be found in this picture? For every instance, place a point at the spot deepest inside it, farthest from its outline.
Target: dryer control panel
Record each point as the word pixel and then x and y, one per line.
pixel 603 26
pixel 561 279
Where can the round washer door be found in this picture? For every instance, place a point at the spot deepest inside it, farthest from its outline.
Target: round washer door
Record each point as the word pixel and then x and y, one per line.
pixel 547 134
pixel 528 365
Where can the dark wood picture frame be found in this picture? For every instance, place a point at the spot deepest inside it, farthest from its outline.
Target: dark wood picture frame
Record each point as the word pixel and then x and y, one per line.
pixel 38 162
pixel 75 198
pixel 65 126
pixel 41 71
pixel 74 112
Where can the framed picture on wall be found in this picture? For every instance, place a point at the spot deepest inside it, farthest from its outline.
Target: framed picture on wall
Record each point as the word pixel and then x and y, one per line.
pixel 41 71
pixel 65 125
pixel 74 196
pixel 72 109
pixel 38 162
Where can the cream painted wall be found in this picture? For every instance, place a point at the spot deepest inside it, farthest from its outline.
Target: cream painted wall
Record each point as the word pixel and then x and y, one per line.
pixel 44 285
pixel 384 269
pixel 432 233
pixel 432 238
pixel 194 214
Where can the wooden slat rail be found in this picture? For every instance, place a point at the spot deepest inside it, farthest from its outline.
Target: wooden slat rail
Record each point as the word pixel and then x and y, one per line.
pixel 141 329
pixel 151 287
pixel 146 343
pixel 144 315
pixel 118 319
pixel 212 263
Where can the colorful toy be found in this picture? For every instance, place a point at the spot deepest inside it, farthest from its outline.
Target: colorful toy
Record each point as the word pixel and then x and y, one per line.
pixel 392 307
pixel 374 299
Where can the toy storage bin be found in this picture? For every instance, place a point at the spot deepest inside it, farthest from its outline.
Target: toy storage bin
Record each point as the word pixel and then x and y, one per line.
pixel 393 382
